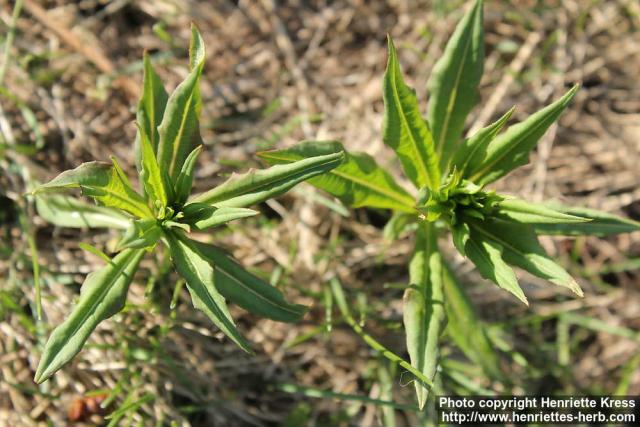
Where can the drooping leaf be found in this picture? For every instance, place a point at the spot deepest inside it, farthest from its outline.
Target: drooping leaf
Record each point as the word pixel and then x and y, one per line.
pixel 198 272
pixel 105 182
pixel 65 211
pixel 103 294
pixel 152 178
pixel 358 181
pixel 423 306
pixel 179 130
pixel 476 145
pixel 486 254
pixel 150 109
pixel 520 247
pixel 248 291
pixel 466 329
pixel 257 186
pixel 185 177
pixel 404 129
pixel 453 85
pixel 511 149
pixel 202 216
pixel 600 224
pixel 141 234
pixel 529 213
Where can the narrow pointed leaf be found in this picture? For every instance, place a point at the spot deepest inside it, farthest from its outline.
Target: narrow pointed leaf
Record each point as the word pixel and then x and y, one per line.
pixel 103 294
pixel 152 179
pixel 600 224
pixel 257 186
pixel 399 222
pixel 150 109
pixel 199 275
pixel 461 234
pixel 65 211
pixel 248 291
pixel 358 181
pixel 529 213
pixel 202 216
pixel 511 149
pixel 423 306
pixel 404 129
pixel 185 178
pixel 476 145
pixel 141 234
pixel 487 256
pixel 521 248
pixel 179 131
pixel 453 86
pixel 104 182
pixel 466 329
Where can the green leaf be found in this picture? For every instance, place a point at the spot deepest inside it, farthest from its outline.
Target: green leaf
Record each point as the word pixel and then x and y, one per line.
pixel 466 329
pixel 486 254
pixel 357 181
pixel 404 129
pixel 184 181
pixel 453 85
pixel 248 291
pixel 104 182
pixel 477 144
pixel 180 130
pixel 202 216
pixel 461 234
pixel 152 178
pixel 150 109
pixel 141 234
pixel 103 294
pixel 198 272
pixel 398 223
pixel 520 247
pixel 528 213
pixel 600 224
pixel 65 211
pixel 257 186
pixel 423 306
pixel 511 149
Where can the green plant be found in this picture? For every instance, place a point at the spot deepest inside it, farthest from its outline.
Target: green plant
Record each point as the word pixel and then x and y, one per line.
pixel 450 175
pixel 167 146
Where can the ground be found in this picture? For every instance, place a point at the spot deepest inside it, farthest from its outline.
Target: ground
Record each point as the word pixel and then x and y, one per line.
pixel 277 73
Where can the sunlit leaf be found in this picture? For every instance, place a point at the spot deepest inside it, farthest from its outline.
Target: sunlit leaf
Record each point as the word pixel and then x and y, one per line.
pixel 65 211
pixel 600 224
pixel 185 177
pixel 534 213
pixel 202 216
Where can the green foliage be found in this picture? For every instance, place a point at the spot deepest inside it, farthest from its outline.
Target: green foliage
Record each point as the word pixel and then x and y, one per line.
pixel 167 147
pixel 450 174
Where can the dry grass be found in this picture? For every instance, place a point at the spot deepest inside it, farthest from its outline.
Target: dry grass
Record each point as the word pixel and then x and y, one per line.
pixel 274 75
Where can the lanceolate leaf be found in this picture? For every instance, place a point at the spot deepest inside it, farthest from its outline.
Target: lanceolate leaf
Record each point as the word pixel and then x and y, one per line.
pixel 461 234
pixel 65 211
pixel 404 129
pixel 486 254
pixel 477 144
pixel 511 149
pixel 529 213
pixel 357 181
pixel 185 178
pixel 150 109
pixel 453 86
pixel 467 331
pixel 179 131
pixel 257 186
pixel 600 224
pixel 103 294
pixel 202 216
pixel 248 291
pixel 424 313
pixel 104 182
pixel 141 234
pixel 198 272
pixel 521 248
pixel 150 175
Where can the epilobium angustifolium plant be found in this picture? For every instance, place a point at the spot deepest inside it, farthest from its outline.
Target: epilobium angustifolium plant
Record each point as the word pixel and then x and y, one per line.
pixel 450 175
pixel 167 147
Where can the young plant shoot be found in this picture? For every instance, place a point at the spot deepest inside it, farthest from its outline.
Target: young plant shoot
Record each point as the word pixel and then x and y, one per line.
pixel 167 146
pixel 451 175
